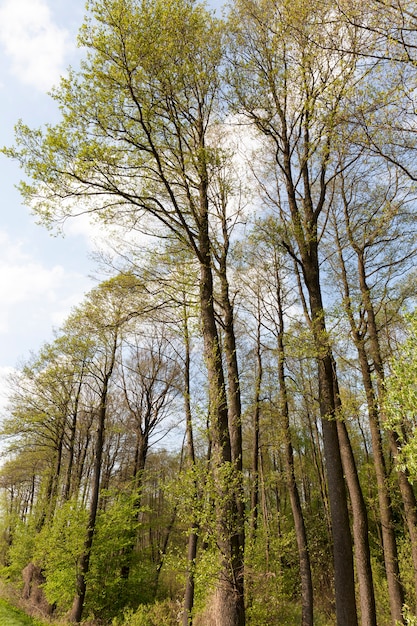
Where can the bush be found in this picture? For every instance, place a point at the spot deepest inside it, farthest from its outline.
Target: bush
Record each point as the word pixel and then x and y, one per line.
pixel 159 614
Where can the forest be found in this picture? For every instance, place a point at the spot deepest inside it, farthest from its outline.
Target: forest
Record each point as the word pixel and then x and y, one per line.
pixel 223 432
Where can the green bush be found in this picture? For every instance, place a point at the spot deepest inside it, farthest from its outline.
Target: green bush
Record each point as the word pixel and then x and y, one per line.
pixel 164 613
pixel 21 550
pixel 58 549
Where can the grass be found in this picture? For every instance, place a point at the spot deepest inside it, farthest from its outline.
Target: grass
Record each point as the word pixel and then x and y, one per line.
pixel 10 616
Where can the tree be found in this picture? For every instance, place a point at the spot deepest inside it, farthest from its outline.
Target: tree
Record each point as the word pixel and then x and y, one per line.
pixel 102 316
pixel 269 286
pixel 293 92
pixel 149 386
pixel 134 142
pixel 374 223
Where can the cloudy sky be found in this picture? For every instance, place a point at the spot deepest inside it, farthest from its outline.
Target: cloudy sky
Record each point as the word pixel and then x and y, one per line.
pixel 41 277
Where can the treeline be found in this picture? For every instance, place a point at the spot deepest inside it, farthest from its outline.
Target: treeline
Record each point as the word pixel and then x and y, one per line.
pixel 223 431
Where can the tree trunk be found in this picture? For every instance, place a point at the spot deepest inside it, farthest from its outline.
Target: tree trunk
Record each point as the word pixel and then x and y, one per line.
pixel 229 606
pixel 73 432
pixel 342 542
pixel 233 380
pixel 389 544
pixel 229 598
pixel 187 617
pixel 256 434
pixel 396 592
pixel 360 529
pixel 84 563
pixel 307 602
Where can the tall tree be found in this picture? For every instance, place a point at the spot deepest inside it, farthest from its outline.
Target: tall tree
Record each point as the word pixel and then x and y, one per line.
pixel 133 142
pixel 102 316
pixel 292 92
pixel 366 232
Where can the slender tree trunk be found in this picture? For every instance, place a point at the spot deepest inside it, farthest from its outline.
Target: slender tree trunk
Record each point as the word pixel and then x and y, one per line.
pixel 84 563
pixel 229 593
pixel 389 543
pixel 187 617
pixel 304 218
pixel 233 386
pixel 360 522
pixel 360 530
pixel 233 379
pixel 256 432
pixel 396 592
pixel 300 530
pixel 52 485
pixel 229 602
pixel 360 517
pixel 73 432
pixel 80 465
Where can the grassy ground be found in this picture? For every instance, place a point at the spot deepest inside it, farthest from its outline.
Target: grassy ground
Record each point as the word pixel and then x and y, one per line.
pixel 10 616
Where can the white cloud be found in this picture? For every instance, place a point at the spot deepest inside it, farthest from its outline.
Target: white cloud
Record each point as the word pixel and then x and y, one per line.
pixel 23 278
pixel 102 238
pixel 85 225
pixel 33 298
pixel 35 45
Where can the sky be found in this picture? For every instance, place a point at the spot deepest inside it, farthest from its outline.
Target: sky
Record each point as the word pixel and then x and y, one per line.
pixel 41 276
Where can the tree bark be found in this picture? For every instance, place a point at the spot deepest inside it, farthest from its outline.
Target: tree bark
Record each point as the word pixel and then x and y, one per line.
pixel 360 522
pixel 342 542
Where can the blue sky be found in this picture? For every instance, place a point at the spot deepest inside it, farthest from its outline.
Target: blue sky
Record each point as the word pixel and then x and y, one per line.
pixel 41 277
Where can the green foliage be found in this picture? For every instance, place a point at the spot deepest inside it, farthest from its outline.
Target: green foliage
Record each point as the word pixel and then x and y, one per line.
pixel 158 614
pixel 406 568
pixel 410 619
pixel 21 551
pixel 149 79
pixel 115 535
pixel 273 582
pixel 381 592
pixel 58 550
pixel 401 399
